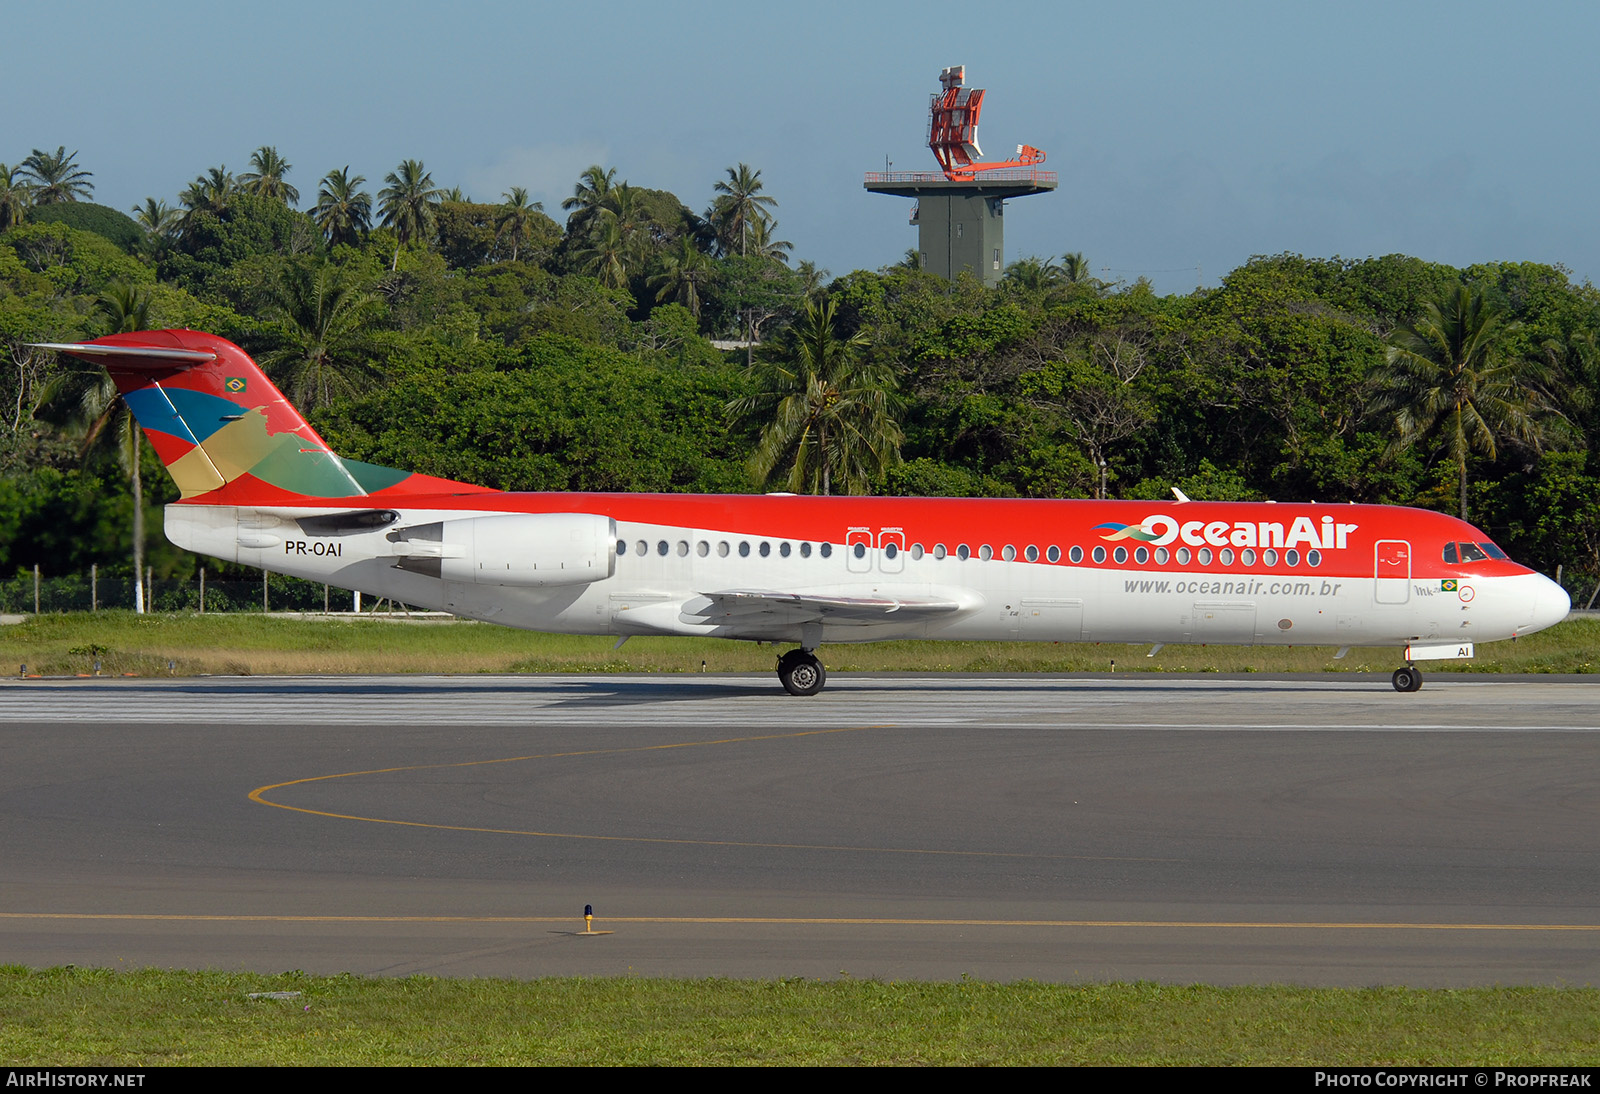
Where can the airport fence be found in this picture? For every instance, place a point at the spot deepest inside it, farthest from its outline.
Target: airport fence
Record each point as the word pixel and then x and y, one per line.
pixel 33 593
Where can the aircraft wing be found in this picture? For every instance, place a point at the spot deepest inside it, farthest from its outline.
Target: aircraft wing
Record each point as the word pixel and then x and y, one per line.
pixel 749 605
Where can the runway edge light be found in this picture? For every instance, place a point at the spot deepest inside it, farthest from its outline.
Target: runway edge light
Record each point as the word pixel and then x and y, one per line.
pixel 588 923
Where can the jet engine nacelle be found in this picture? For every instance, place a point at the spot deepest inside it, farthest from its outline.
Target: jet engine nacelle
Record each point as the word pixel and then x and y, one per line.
pixel 525 550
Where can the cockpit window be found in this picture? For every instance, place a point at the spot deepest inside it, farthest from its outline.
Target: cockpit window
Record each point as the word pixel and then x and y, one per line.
pixel 1471 552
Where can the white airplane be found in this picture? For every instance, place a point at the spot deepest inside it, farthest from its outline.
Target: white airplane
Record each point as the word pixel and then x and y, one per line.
pixel 260 487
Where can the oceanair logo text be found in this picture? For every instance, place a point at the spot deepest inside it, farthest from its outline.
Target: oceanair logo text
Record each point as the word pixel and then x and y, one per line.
pixel 1160 530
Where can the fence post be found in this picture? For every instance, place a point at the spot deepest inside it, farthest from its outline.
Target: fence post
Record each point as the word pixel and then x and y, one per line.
pixel 35 588
pixel 263 592
pixel 94 586
pixel 357 607
pixel 202 590
pixel 149 588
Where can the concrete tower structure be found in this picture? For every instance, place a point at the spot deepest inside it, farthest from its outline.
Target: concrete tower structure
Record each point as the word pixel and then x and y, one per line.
pixel 960 210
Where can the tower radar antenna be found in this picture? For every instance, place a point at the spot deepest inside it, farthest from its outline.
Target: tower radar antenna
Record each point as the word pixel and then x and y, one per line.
pixel 953 115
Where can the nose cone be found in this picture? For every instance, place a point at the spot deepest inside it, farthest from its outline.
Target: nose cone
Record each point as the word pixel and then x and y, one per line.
pixel 1550 605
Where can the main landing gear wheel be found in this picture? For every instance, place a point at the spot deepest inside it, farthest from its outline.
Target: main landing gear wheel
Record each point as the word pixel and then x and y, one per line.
pixel 1407 679
pixel 801 673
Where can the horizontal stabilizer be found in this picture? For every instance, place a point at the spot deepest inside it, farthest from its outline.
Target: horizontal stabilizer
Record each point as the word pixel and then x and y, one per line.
pixel 136 357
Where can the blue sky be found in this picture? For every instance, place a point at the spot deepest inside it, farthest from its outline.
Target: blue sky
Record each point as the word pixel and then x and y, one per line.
pixel 1188 137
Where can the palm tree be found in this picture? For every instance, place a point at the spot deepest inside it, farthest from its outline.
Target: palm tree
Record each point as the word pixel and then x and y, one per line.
pixel 1074 268
pixel 1033 274
pixel 85 401
pixel 156 217
pixel 761 241
pixel 683 271
pixel 589 196
pixel 267 178
pixel 740 203
pixel 811 279
pixel 208 193
pixel 516 219
pixel 57 177
pixel 829 414
pixel 327 315
pixel 15 197
pixel 343 210
pixel 1448 382
pixel 608 254
pixel 407 203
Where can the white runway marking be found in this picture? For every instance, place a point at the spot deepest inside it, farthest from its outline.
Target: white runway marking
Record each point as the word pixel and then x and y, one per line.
pixel 1154 703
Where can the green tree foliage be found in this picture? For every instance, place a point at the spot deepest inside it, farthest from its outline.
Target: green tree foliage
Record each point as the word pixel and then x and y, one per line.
pixel 84 400
pixel 326 317
pixel 407 204
pixel 738 207
pixel 266 177
pixel 828 414
pixel 1449 382
pixel 68 261
pixel 86 216
pixel 343 210
pixel 56 177
pixel 15 197
pixel 558 415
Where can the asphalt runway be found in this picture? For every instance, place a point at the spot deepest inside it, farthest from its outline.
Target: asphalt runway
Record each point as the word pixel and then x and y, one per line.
pixel 1256 829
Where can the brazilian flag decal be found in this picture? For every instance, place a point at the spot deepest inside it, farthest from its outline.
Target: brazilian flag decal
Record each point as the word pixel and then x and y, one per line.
pixel 1448 585
pixel 233 385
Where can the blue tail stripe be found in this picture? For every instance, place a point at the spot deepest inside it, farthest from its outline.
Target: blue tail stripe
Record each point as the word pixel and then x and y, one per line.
pixel 190 415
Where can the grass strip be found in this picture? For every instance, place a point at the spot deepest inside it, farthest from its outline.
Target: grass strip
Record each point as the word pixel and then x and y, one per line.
pixel 251 644
pixel 70 1016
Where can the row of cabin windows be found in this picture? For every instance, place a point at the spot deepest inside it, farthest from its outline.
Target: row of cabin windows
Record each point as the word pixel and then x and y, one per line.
pixel 1226 556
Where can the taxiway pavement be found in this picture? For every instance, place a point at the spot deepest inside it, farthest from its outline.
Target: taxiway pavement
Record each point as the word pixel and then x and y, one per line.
pixel 1316 829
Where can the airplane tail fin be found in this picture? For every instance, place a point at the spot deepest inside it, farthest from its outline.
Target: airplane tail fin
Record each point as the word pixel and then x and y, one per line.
pixel 225 433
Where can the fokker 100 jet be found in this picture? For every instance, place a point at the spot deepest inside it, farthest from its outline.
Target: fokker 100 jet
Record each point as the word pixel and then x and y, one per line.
pixel 260 487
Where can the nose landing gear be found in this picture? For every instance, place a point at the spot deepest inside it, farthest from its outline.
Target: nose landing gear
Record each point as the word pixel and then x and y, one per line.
pixel 1406 679
pixel 801 673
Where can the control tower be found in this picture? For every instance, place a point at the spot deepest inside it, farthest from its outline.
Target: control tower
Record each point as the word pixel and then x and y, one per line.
pixel 960 210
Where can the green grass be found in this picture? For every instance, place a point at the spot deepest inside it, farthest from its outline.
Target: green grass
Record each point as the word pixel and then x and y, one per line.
pixel 249 644
pixel 96 1017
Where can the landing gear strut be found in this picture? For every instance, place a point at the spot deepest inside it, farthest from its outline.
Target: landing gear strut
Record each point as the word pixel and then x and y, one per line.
pixel 1406 679
pixel 801 673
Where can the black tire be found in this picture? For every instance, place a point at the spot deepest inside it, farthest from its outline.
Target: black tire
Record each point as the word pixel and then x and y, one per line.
pixel 1406 679
pixel 801 673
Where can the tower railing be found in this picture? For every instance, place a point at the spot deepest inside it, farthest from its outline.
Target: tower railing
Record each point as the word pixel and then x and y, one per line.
pixel 1007 174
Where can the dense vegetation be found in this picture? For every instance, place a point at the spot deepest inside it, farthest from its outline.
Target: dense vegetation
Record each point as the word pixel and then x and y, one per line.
pixel 497 342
